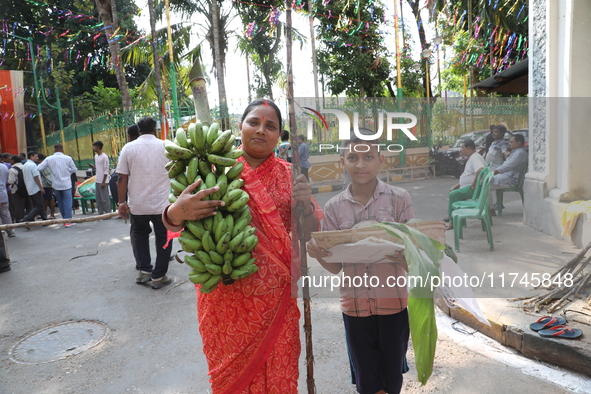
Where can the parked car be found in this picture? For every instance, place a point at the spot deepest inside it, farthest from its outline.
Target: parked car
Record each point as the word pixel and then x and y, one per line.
pixel 478 137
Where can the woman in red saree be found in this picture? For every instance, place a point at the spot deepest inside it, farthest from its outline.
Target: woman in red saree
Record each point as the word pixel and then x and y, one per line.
pixel 250 329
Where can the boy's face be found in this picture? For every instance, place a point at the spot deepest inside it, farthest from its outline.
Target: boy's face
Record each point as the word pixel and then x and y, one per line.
pixel 362 161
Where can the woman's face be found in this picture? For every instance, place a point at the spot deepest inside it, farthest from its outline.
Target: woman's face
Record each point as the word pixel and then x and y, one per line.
pixel 260 131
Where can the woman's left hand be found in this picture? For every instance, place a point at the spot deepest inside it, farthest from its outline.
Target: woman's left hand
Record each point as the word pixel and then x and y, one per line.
pixel 302 191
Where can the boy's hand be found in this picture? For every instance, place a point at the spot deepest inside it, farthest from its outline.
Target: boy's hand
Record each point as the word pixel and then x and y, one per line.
pixel 398 258
pixel 315 251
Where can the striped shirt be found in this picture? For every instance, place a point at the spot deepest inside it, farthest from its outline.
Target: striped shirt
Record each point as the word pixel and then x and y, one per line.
pixel 148 185
pixel 388 203
pixel 62 167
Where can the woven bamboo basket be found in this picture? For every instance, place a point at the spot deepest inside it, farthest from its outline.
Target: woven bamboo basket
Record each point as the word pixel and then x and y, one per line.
pixel 327 239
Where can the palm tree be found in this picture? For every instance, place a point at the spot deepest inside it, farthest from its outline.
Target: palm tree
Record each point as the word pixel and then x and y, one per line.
pixel 108 13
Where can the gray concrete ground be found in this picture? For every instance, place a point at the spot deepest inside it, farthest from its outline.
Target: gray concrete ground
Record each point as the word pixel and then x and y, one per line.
pixel 153 344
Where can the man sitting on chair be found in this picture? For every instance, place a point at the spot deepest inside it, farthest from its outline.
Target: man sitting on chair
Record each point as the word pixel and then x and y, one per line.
pixel 507 175
pixel 465 189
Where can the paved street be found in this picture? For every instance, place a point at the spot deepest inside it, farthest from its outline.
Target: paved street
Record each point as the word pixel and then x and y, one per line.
pixel 153 344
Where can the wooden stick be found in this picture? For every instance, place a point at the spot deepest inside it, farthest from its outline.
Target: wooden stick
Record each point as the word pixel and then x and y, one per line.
pixel 58 221
pixel 296 170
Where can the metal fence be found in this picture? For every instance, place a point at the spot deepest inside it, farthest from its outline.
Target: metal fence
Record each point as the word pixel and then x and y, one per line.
pixel 439 122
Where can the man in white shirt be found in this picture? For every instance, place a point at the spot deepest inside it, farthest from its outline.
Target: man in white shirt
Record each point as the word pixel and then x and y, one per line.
pixel 101 164
pixel 143 178
pixel 34 188
pixel 465 188
pixel 62 167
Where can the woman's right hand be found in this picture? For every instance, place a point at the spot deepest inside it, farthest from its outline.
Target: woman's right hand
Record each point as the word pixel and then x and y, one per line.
pixel 190 206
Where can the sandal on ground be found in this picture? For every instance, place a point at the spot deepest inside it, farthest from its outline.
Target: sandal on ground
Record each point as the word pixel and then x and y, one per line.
pixel 547 322
pixel 561 332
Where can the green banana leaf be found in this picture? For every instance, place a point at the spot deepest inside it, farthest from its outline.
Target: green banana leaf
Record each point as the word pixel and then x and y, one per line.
pixel 421 307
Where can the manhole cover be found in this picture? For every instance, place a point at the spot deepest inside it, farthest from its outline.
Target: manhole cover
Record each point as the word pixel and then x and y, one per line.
pixel 58 341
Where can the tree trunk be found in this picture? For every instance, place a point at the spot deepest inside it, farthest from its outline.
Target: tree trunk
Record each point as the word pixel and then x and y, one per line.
pixel 219 64
pixel 157 73
pixel 414 5
pixel 106 10
pixel 199 89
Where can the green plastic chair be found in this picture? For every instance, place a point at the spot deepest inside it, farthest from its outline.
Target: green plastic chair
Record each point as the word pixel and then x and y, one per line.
pixel 518 188
pixel 481 211
pixel 473 202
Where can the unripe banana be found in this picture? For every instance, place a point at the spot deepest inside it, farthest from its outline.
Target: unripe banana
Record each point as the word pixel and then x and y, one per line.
pixel 235 171
pixel 252 241
pixel 200 278
pixel 240 260
pixel 248 231
pixel 204 168
pixel 233 196
pixel 227 268
pixel 220 141
pixel 217 258
pixel 190 245
pixel 214 269
pixel 210 180
pixel 211 284
pixel 208 223
pixel 203 257
pixel 245 214
pixel 176 168
pixel 193 169
pixel 234 154
pixel 181 138
pixel 229 146
pixel 228 256
pixel 221 160
pixel 220 229
pixel 201 187
pixel 198 139
pixel 182 179
pixel 235 184
pixel 247 244
pixel 229 223
pixel 177 151
pixel 195 227
pixel 219 170
pixel 238 204
pixel 177 186
pixel 238 227
pixel 207 241
pixel 239 274
pixel 236 240
pixel 222 183
pixel 169 165
pixel 172 198
pixel 212 134
pixel 222 244
pixel 197 265
pixel 250 266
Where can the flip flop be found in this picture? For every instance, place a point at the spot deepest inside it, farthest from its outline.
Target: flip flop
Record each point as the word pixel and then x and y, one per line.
pixel 561 332
pixel 547 322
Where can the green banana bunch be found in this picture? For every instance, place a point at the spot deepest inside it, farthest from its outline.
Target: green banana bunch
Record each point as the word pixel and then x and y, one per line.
pixel 219 246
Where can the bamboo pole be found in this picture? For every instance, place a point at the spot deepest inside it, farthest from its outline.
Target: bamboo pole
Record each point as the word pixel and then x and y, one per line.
pixel 57 221
pixel 296 170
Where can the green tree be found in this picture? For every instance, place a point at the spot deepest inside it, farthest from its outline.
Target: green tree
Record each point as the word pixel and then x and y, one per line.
pixel 352 56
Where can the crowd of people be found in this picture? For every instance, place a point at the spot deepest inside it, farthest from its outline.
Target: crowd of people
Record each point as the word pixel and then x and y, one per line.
pixel 504 158
pixel 250 329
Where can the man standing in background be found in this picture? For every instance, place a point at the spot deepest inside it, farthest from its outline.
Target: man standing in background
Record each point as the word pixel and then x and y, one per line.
pixel 101 165
pixel 143 178
pixel 34 188
pixel 62 167
pixel 304 154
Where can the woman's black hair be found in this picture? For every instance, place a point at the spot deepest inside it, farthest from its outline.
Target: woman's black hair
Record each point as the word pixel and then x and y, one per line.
pixel 259 102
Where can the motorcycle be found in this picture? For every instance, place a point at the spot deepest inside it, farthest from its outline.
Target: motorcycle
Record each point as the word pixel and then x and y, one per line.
pixel 446 162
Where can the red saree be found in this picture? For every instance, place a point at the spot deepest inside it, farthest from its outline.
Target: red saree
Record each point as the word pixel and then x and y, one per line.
pixel 250 329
